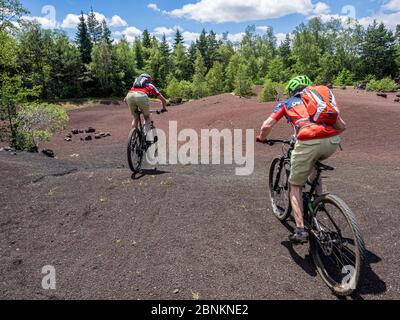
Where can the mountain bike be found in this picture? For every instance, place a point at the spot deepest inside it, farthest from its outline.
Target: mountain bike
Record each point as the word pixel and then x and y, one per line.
pixel 137 143
pixel 336 244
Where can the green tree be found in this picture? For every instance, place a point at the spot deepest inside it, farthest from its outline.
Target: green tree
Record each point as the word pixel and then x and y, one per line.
pixel 125 65
pixel 106 34
pixel 139 54
pixel 378 51
pixel 94 27
pixel 146 39
pixel 243 82
pixel 65 65
pixel 178 39
pixel 180 63
pixel 277 72
pixel 10 11
pixel 200 88
pixel 215 79
pixel 101 69
pixel 83 41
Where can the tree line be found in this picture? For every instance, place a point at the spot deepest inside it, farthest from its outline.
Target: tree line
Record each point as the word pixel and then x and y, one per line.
pixel 39 64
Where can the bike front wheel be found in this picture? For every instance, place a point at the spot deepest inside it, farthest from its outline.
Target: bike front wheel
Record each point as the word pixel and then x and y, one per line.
pixel 135 150
pixel 279 189
pixel 336 245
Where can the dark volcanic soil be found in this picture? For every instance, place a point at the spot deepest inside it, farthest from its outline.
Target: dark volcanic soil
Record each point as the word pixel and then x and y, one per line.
pixel 200 228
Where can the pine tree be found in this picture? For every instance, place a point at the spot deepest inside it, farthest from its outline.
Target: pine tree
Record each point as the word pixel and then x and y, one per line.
pixel 146 39
pixel 285 52
pixel 83 41
pixel 199 85
pixel 192 58
pixel 94 27
pixel 178 38
pixel 378 51
pixel 180 63
pixel 139 54
pixel 106 34
pixel 215 79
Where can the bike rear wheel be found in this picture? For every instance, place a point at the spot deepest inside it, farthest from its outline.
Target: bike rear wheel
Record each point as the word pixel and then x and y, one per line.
pixel 135 150
pixel 336 245
pixel 279 189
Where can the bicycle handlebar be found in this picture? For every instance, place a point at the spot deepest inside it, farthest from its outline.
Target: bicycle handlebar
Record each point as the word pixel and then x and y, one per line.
pixel 273 142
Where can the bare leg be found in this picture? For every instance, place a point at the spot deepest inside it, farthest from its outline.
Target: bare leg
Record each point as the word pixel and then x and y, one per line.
pixel 135 121
pixel 297 204
pixel 147 125
pixel 319 189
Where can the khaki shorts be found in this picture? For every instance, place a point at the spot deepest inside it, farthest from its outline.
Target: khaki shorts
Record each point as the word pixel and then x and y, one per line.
pixel 307 153
pixel 139 100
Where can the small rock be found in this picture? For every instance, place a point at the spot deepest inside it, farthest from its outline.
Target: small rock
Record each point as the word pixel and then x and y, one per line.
pixel 48 152
pixel 82 139
pixel 108 134
pixel 398 95
pixel 176 291
pixel 67 139
pixel 381 94
pixel 88 138
pixel 397 100
pixel 69 135
pixel 81 131
pixel 97 136
pixel 90 130
pixel 75 131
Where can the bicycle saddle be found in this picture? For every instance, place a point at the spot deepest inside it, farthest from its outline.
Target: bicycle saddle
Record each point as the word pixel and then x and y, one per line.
pixel 322 167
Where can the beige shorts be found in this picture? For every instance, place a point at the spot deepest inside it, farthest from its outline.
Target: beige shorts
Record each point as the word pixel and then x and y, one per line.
pixel 306 154
pixel 139 100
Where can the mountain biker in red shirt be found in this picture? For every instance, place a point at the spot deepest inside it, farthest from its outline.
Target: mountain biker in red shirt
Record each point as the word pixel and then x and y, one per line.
pixel 314 142
pixel 138 97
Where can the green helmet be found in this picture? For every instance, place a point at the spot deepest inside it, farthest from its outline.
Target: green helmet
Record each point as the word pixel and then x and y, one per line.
pixel 295 83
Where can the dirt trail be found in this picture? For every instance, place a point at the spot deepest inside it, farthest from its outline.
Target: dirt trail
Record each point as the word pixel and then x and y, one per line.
pixel 200 229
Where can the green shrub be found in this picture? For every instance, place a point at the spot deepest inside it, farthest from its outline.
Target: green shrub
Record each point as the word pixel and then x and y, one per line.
pixel 178 91
pixel 344 78
pixel 386 84
pixel 243 83
pixel 38 122
pixel 271 90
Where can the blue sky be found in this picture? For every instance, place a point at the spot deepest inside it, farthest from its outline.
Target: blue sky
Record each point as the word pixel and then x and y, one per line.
pixel 130 17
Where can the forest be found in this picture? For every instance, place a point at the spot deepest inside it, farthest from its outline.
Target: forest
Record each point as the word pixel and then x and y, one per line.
pixel 39 65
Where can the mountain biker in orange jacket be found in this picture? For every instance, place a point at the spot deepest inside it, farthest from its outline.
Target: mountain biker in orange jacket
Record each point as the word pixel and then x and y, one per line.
pixel 314 142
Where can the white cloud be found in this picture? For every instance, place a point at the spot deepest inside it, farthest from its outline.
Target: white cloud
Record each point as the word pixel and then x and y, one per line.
pixel 46 23
pixel 391 20
pixel 71 21
pixel 263 28
pixel 280 37
pixel 131 34
pixel 321 8
pixel 190 36
pixel 235 37
pixel 117 21
pixel 392 5
pixel 159 31
pixel 220 11
pixel 153 6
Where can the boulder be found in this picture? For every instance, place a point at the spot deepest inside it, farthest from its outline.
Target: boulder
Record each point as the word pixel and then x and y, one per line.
pixel 90 130
pixel 49 153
